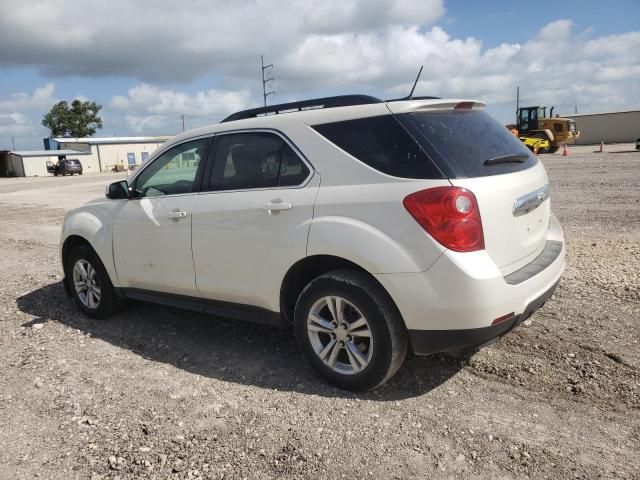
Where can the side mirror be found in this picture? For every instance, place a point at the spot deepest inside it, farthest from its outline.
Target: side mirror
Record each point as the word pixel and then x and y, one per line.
pixel 118 190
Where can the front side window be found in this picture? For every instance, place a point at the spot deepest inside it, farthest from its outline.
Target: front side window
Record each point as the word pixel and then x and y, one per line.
pixel 174 172
pixel 255 160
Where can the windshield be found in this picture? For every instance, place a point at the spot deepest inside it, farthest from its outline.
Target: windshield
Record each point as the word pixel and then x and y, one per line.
pixel 461 143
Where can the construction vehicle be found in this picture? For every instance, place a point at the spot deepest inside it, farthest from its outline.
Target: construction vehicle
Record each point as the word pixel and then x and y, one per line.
pixel 537 145
pixel 533 124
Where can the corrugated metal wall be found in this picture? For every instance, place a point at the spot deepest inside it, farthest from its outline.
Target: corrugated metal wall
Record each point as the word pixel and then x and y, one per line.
pixel 617 127
pixel 37 166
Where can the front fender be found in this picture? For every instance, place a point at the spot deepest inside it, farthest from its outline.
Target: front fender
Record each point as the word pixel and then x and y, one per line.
pixel 88 224
pixel 367 246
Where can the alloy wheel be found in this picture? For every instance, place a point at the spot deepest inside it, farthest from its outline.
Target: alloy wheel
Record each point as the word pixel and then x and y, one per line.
pixel 85 281
pixel 340 335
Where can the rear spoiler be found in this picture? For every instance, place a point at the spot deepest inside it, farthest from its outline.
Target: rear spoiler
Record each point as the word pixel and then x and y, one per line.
pixel 426 105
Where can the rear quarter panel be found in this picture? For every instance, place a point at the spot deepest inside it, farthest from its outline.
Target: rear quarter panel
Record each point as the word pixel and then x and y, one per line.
pixel 368 225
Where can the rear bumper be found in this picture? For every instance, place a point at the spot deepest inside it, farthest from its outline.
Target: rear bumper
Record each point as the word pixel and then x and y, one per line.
pixel 461 294
pixel 426 342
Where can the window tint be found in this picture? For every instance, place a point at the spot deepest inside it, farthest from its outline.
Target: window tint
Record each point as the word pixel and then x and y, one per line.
pixel 255 160
pixel 174 172
pixel 460 141
pixel 382 143
pixel 293 171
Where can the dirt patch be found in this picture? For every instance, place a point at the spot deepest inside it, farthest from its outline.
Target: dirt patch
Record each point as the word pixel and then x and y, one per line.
pixel 161 393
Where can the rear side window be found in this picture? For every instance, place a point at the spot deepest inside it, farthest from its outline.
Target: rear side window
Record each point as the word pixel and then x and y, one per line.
pixel 255 160
pixel 462 142
pixel 382 143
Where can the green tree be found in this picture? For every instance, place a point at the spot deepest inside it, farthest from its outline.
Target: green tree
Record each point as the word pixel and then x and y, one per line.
pixel 81 119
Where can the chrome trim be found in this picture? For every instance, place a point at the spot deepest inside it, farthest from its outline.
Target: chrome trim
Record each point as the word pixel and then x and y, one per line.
pixel 160 151
pixel 530 201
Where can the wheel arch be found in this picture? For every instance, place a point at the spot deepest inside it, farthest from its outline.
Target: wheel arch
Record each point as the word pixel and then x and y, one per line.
pixel 305 270
pixel 71 243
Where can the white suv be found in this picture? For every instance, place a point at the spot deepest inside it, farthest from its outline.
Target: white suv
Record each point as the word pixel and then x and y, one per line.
pixel 369 226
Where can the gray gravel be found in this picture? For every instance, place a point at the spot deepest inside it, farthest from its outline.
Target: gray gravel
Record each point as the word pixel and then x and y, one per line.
pixel 161 393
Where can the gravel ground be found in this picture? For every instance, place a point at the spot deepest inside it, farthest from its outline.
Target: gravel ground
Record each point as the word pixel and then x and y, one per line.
pixel 161 393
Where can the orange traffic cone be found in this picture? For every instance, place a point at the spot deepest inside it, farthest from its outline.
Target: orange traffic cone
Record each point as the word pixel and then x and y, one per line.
pixel 535 149
pixel 565 151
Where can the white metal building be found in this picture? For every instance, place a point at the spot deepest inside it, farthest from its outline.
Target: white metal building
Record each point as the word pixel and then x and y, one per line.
pixel 33 163
pixel 100 154
pixel 613 127
pixel 104 153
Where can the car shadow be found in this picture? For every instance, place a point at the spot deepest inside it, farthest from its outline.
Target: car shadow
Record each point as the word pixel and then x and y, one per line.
pixel 229 350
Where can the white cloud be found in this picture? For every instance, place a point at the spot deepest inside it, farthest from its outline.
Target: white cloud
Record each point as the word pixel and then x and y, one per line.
pixel 180 41
pixel 15 124
pixel 20 116
pixel 149 108
pixel 318 47
pixel 41 99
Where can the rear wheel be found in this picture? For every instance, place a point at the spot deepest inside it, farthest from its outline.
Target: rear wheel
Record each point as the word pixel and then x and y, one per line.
pixel 350 330
pixel 90 285
pixel 554 149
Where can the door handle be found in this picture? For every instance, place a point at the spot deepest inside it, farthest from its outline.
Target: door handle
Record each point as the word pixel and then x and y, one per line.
pixel 276 207
pixel 176 214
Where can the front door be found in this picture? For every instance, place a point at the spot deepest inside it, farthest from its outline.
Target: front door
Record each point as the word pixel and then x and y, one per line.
pixel 253 222
pixel 152 231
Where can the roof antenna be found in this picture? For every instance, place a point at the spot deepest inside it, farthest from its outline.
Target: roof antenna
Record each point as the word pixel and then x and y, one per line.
pixel 415 83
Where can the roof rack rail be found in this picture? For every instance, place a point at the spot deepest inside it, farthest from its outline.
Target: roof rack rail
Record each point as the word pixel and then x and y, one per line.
pixel 316 103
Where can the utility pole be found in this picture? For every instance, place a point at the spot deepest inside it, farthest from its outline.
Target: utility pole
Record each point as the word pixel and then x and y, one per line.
pixel 182 117
pixel 266 81
pixel 517 103
pixel 13 143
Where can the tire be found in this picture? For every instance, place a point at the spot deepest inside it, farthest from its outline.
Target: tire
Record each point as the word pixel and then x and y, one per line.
pixel 107 301
pixel 554 149
pixel 543 136
pixel 379 355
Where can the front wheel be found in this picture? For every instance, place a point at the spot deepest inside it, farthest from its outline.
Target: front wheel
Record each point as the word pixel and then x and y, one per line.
pixel 542 136
pixel 350 330
pixel 90 285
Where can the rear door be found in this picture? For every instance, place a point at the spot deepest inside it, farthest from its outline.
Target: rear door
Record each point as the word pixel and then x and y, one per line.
pixel 509 182
pixel 252 223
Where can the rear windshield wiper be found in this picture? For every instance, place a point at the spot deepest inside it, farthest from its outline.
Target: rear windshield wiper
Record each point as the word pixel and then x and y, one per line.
pixel 517 158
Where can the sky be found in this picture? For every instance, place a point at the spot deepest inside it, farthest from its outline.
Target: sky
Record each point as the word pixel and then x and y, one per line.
pixel 148 64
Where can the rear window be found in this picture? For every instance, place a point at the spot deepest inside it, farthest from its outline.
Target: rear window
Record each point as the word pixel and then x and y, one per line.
pixel 382 143
pixel 461 141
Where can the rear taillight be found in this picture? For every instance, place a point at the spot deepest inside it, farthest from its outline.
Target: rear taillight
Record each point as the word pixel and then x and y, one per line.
pixel 450 215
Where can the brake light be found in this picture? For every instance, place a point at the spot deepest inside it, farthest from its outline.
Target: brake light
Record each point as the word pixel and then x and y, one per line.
pixel 464 106
pixel 450 215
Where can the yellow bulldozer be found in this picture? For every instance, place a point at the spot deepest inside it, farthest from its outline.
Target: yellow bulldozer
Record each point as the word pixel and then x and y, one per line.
pixel 547 134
